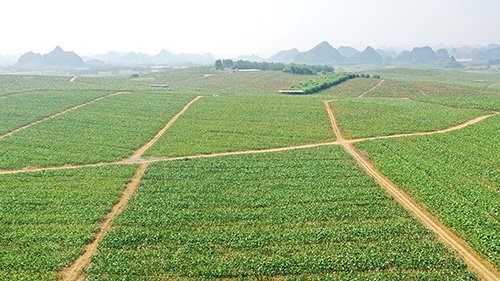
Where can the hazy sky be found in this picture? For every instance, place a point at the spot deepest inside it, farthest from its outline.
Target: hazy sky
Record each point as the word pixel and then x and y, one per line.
pixel 231 27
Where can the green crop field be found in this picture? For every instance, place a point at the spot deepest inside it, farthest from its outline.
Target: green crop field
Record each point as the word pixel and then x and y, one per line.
pixel 47 217
pixel 243 182
pixel 228 123
pixel 368 117
pixel 455 175
pixel 307 213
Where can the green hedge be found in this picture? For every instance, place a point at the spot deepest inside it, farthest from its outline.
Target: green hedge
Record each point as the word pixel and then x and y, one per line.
pixel 323 82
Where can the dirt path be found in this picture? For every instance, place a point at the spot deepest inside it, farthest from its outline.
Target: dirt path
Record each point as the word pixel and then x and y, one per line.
pixel 72 273
pixel 423 93
pixel 475 262
pixel 145 147
pixel 340 141
pixel 494 84
pixel 72 79
pixel 333 120
pixel 371 89
pixel 59 113
pixel 449 129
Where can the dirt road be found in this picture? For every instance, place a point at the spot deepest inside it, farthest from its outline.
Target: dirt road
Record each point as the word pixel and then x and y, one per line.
pixel 371 89
pixel 59 113
pixel 340 141
pixel 72 273
pixel 145 147
pixel 476 263
pixel 449 129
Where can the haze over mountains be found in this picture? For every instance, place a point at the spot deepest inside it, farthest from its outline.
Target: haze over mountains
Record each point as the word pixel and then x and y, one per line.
pixel 323 54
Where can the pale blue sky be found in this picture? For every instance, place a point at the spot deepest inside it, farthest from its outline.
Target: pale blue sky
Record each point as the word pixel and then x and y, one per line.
pixel 230 27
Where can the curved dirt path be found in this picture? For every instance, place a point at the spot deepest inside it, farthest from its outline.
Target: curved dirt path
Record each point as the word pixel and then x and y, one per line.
pixel 72 273
pixel 476 263
pixel 340 141
pixel 449 129
pixel 59 113
pixel 371 89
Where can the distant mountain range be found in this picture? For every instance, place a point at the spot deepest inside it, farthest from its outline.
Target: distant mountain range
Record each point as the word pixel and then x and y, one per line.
pixel 322 53
pixel 164 57
pixel 56 58
pixel 59 58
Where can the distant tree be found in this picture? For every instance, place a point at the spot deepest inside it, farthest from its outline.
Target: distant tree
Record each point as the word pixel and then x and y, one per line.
pixel 134 76
pixel 227 63
pixel 218 64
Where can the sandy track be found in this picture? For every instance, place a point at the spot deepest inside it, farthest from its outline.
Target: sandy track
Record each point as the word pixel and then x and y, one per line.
pixel 449 129
pixel 476 263
pixel 423 93
pixel 145 147
pixel 371 89
pixel 59 113
pixel 72 79
pixel 340 141
pixel 73 272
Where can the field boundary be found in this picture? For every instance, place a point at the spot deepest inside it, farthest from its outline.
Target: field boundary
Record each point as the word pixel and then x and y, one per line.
pixel 138 153
pixel 474 261
pixel 339 141
pixel 371 89
pixel 59 113
pixel 440 131
pixel 73 272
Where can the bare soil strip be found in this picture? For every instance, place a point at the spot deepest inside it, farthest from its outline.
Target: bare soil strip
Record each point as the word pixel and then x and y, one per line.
pixel 73 272
pixel 340 141
pixel 494 84
pixel 423 93
pixel 72 79
pixel 333 120
pixel 145 147
pixel 476 263
pixel 371 89
pixel 158 159
pixel 57 114
pixel 449 129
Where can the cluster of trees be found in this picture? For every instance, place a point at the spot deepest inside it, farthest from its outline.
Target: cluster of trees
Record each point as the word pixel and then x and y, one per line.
pixel 323 82
pixel 307 69
pixel 376 76
pixel 290 68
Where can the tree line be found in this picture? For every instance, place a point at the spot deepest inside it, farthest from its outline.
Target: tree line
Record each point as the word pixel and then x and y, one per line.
pixel 288 68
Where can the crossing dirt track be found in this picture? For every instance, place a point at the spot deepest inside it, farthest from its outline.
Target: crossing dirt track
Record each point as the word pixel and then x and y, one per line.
pixel 75 271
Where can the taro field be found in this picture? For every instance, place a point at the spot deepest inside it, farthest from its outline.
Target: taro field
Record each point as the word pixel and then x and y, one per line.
pixel 221 177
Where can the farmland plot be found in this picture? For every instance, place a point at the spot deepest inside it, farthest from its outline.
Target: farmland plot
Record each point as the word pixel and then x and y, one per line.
pixel 487 102
pixel 24 108
pixel 310 213
pixel 107 130
pixel 228 123
pixel 368 117
pixel 455 175
pixel 47 217
pixel 351 88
